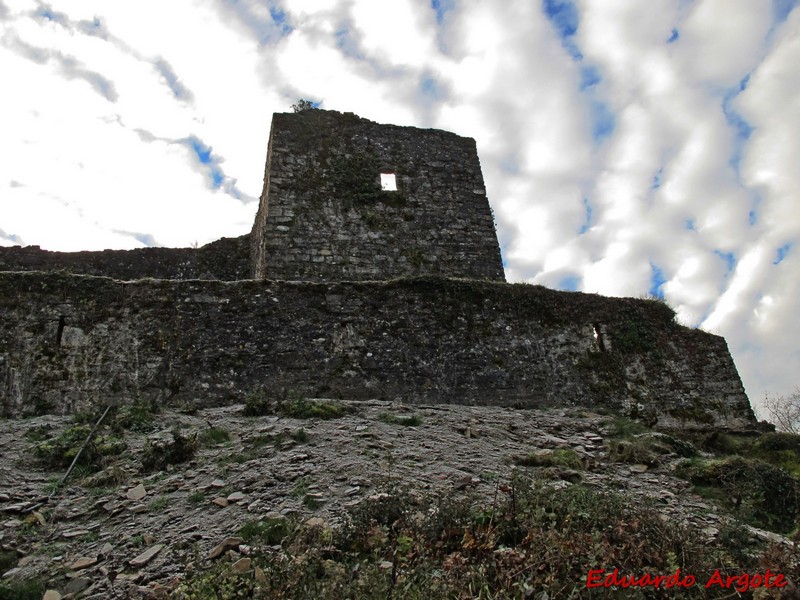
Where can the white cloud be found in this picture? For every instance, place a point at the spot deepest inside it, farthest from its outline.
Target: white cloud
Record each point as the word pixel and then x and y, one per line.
pixel 721 40
pixel 402 33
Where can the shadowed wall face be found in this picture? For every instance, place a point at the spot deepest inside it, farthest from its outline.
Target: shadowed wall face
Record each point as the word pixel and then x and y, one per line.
pixel 71 342
pixel 328 211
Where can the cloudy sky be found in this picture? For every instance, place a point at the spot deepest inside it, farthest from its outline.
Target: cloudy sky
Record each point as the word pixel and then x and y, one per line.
pixel 629 147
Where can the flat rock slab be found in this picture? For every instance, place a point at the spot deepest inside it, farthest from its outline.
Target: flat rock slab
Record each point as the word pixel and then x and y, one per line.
pixel 146 556
pixel 82 563
pixel 74 533
pixel 136 493
pixel 77 585
pixel 241 566
pixel 224 545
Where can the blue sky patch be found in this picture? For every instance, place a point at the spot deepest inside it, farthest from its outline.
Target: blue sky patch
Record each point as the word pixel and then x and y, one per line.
pixel 690 225
pixel 603 121
pixel 657 179
pixel 47 13
pixel 741 127
pixel 781 254
pixel 674 36
pixel 430 89
pixel 12 237
pixel 590 76
pixel 657 281
pixel 264 29
pixel 587 216
pixel 95 28
pixel 752 216
pixel 346 43
pixel 280 20
pixel 744 82
pixel 145 238
pixel 202 151
pixel 441 8
pixel 205 157
pixel 569 283
pixel 565 18
pixel 781 9
pixel 729 258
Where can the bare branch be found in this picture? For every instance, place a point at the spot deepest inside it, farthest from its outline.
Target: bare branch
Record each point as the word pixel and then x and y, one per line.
pixel 784 411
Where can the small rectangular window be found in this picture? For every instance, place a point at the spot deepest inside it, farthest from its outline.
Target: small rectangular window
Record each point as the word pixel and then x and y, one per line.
pixel 388 182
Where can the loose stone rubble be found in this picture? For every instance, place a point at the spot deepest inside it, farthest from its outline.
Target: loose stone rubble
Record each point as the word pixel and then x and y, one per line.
pixel 138 538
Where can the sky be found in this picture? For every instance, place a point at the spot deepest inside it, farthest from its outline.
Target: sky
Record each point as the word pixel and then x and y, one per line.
pixel 629 148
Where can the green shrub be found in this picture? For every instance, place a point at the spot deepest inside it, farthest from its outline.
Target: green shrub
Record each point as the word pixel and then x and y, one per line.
pixel 39 433
pixel 299 436
pixel 25 589
pixel 158 504
pixel 759 493
pixel 647 448
pixel 779 449
pixel 258 405
pixel 720 442
pixel 8 559
pixel 268 532
pixel 623 427
pixel 635 451
pixel 561 457
pixel 409 421
pixel 138 416
pixel 778 441
pixel 156 455
pixel 214 435
pixel 313 409
pixel 302 105
pixel 57 453
pixel 533 539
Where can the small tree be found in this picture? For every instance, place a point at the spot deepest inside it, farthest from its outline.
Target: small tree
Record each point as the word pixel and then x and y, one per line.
pixel 302 105
pixel 784 411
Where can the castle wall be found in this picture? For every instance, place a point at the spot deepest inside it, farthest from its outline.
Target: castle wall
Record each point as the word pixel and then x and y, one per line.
pixel 323 214
pixel 226 259
pixel 70 342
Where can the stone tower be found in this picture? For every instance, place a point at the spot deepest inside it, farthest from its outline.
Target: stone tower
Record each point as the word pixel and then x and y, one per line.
pixel 349 199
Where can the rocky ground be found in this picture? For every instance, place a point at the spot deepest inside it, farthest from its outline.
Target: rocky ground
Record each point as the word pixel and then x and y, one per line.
pixel 127 533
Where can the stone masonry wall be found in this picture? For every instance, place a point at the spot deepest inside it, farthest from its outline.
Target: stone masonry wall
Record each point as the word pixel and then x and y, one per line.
pixel 227 259
pixel 323 215
pixel 70 342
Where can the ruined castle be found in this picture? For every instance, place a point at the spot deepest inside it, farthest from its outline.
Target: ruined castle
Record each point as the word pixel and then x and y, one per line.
pixel 372 271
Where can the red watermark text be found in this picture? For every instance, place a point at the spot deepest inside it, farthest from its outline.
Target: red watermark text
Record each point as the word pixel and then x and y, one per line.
pixel 741 583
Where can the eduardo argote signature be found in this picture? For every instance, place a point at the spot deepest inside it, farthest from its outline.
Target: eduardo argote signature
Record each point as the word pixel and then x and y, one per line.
pixel 741 583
